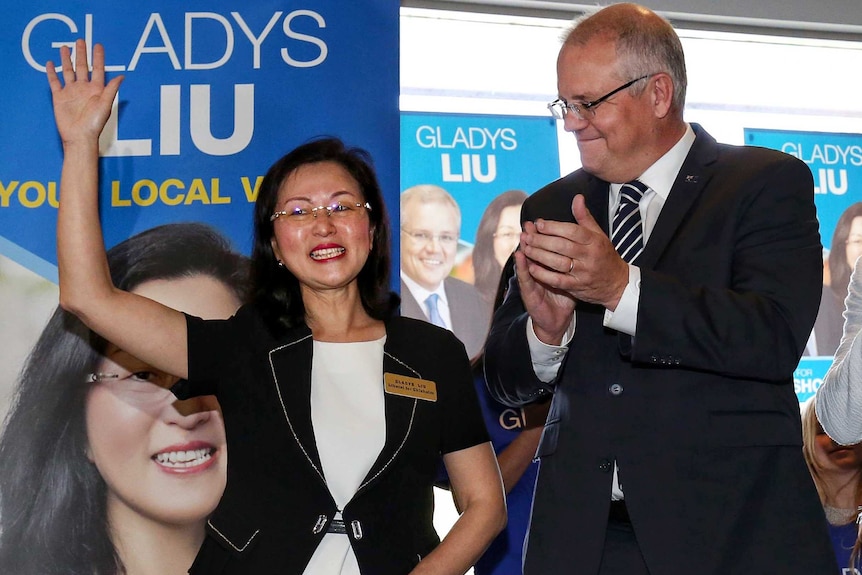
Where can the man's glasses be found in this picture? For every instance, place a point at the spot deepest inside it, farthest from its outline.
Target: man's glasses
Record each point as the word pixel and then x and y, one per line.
pixel 423 237
pixel 585 110
pixel 302 214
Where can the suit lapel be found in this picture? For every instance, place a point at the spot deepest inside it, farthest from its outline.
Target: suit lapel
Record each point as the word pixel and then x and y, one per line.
pixel 690 182
pixel 596 198
pixel 291 373
pixel 456 314
pixel 409 305
pixel 400 411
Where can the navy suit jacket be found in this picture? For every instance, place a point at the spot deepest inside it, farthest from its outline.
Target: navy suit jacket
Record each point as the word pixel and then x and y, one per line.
pixel 698 410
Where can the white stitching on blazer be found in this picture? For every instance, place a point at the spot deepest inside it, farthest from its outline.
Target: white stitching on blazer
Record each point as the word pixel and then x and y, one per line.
pixel 284 409
pixel 229 542
pixel 409 427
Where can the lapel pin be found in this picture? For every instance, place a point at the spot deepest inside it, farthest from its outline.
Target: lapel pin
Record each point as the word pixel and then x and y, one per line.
pixel 691 179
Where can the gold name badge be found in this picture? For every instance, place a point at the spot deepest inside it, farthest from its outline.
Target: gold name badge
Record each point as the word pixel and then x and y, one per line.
pixel 405 386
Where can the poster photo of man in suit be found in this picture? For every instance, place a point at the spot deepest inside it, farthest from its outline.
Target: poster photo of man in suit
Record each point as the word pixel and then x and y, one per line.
pixel 430 228
pixel 663 295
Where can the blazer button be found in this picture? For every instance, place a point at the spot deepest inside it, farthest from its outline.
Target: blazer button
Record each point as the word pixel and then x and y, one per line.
pixel 605 465
pixel 654 358
pixel 616 389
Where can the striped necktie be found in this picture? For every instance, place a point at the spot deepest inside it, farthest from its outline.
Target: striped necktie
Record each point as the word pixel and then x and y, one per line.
pixel 627 231
pixel 434 313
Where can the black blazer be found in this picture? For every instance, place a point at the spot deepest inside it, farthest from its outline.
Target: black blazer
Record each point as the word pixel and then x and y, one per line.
pixel 699 408
pixel 276 507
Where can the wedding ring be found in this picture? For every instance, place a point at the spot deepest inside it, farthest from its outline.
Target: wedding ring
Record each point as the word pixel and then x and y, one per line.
pixel 571 266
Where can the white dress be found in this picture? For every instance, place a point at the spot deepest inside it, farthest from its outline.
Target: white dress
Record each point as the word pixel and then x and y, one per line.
pixel 348 416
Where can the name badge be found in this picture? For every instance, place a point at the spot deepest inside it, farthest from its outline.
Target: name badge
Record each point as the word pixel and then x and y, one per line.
pixel 414 387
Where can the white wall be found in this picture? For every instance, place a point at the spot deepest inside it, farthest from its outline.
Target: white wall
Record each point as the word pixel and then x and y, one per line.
pixel 478 63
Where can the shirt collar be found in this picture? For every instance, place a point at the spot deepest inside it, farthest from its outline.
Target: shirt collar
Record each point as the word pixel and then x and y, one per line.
pixel 661 175
pixel 420 293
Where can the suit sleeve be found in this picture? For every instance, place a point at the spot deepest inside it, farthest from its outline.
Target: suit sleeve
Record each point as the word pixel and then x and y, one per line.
pixel 753 323
pixel 839 399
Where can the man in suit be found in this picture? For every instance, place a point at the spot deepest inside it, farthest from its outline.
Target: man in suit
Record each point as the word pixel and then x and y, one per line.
pixel 673 441
pixel 430 226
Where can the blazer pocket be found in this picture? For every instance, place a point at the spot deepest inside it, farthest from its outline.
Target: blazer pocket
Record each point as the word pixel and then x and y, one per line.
pixel 752 429
pixel 548 443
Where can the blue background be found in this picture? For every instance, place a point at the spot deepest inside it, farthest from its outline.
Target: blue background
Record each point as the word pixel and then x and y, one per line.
pixel 534 162
pixel 291 105
pixel 817 150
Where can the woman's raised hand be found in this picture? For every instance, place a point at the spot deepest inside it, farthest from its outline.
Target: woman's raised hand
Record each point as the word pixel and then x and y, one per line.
pixel 82 101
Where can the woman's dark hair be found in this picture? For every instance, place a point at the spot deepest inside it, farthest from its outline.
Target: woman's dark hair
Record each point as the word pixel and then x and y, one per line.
pixel 485 266
pixel 52 498
pixel 839 269
pixel 275 290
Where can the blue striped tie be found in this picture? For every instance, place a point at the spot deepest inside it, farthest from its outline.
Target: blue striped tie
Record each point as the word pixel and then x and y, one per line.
pixel 627 230
pixel 433 312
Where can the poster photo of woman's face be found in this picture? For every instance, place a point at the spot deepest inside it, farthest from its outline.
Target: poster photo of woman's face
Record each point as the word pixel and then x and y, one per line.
pixel 124 474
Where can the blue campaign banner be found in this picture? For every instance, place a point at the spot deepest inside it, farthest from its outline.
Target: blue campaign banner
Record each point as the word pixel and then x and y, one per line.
pixel 836 164
pixel 835 161
pixel 477 157
pixel 214 92
pixel 809 376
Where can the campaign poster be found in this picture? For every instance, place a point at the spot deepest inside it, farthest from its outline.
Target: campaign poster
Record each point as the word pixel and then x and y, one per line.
pixel 476 157
pixel 483 166
pixel 463 180
pixel 835 161
pixel 213 94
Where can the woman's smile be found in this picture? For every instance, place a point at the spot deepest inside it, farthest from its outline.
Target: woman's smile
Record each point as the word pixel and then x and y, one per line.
pixel 326 252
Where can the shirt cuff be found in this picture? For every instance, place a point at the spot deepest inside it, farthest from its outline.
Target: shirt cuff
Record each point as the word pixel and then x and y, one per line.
pixel 547 358
pixel 625 318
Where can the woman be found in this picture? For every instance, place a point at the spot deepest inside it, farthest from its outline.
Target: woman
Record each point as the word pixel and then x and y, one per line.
pixel 103 472
pixel 845 250
pixel 336 412
pixel 837 474
pixel 496 238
